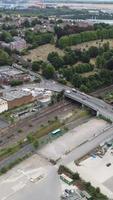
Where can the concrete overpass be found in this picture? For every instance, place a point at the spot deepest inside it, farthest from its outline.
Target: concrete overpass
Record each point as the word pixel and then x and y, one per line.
pixel 93 103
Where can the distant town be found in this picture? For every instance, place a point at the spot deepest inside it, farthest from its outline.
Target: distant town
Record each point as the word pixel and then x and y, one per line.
pixel 23 4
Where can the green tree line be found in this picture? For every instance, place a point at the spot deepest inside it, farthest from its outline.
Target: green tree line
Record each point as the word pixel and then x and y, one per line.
pixel 86 36
pixel 37 39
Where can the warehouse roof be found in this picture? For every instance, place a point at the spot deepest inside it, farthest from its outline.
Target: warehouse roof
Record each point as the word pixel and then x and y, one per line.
pixel 15 94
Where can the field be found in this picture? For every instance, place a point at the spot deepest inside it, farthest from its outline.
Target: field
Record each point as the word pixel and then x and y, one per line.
pixel 97 43
pixel 41 53
pixel 87 74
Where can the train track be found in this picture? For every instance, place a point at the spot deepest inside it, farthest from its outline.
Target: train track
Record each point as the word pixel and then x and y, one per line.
pixel 49 111
pixel 12 130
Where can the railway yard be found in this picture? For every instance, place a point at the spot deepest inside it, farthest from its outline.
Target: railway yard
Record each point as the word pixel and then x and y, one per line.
pixel 31 124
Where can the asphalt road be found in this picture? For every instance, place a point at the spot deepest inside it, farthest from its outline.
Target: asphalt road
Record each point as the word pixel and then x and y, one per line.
pixel 94 103
pixel 26 150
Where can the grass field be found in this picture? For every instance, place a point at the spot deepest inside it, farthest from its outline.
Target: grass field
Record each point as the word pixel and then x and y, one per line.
pixel 97 43
pixel 41 52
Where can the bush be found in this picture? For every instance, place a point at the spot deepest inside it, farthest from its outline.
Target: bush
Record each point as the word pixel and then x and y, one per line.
pixel 76 176
pixel 16 82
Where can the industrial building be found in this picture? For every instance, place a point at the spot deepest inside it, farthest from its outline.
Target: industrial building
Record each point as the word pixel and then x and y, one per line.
pixel 21 96
pixel 41 95
pixel 17 98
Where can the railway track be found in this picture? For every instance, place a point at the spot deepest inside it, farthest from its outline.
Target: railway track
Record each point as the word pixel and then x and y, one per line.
pixel 11 133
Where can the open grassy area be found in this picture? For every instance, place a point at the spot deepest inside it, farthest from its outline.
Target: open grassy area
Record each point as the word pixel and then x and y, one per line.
pixel 41 52
pixel 108 97
pixel 97 43
pixel 45 130
pixel 79 113
pixel 9 151
pixel 87 74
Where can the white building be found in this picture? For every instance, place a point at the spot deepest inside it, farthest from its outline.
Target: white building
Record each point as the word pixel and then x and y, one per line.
pixel 3 105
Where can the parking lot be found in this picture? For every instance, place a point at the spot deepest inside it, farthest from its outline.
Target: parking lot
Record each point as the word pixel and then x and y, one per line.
pixel 73 138
pixel 29 180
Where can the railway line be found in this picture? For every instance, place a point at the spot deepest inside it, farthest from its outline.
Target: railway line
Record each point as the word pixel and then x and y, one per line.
pixel 32 123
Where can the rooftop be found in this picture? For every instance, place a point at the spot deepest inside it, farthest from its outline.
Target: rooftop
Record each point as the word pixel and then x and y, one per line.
pixel 15 94
pixel 2 101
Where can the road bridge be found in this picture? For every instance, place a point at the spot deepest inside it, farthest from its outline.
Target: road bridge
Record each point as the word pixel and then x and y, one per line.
pixel 93 103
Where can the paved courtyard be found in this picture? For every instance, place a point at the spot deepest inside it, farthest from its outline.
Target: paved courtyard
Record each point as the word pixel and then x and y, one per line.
pixel 33 179
pixel 95 170
pixel 73 138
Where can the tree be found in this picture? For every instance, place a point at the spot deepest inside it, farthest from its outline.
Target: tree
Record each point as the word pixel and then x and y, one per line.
pixel 83 67
pixel 109 64
pixel 55 60
pixel 48 71
pixel 36 143
pixel 14 32
pixel 77 80
pixel 6 37
pixel 85 36
pixel 26 23
pixel 70 57
pixel 37 39
pixel 85 57
pixel 84 88
pixel 16 82
pixel 4 58
pixel 100 61
pixel 93 51
pixel 36 65
pixel 76 176
pixel 106 46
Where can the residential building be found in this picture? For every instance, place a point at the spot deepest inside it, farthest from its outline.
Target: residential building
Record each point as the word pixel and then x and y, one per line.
pixel 18 44
pixel 3 105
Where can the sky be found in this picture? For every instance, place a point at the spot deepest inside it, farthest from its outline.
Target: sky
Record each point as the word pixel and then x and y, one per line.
pixel 67 0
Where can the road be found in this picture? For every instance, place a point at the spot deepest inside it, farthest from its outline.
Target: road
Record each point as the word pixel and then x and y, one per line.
pixel 96 104
pixel 26 150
